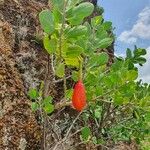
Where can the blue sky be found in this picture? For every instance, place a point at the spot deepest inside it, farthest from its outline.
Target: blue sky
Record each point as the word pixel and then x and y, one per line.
pixel 131 19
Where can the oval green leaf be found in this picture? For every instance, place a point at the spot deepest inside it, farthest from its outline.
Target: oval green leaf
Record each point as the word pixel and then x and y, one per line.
pixel 47 21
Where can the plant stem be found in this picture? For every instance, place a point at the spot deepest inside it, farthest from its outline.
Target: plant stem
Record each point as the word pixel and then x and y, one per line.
pixel 60 42
pixel 80 69
pixel 62 28
pixel 65 86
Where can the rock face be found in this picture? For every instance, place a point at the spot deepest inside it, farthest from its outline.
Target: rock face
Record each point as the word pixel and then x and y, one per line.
pixel 18 127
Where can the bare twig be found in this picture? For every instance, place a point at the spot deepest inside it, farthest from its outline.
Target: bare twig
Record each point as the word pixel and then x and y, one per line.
pixel 62 104
pixel 67 134
pixel 102 146
pixel 52 67
pixel 60 80
pixel 73 124
pixel 62 29
pixel 70 148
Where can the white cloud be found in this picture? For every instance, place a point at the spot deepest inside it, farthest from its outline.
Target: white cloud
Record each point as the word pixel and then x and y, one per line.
pixel 144 71
pixel 141 30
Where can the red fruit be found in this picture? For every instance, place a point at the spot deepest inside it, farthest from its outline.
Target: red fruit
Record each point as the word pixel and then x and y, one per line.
pixel 79 96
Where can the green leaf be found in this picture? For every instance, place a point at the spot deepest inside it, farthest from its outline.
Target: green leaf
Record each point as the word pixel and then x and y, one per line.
pixel 140 60
pixel 33 93
pixel 72 3
pixel 94 139
pixel 50 44
pixel 107 25
pixel 57 4
pixel 76 31
pixel 97 112
pixel 49 108
pixel 78 13
pixel 69 93
pixel 147 117
pixel 138 52
pixel 131 75
pixel 96 21
pixel 99 59
pixel 47 100
pixel 60 70
pixel 89 29
pixel 101 34
pixel 85 133
pixel 103 58
pixel 91 79
pixel 104 43
pixel 47 21
pixel 117 65
pixel 74 51
pixel 136 114
pixel 57 16
pixel 34 106
pixel 128 53
pixel 108 82
pixel 47 105
pixel 118 99
pixel 115 78
pixel 101 141
pixel 98 90
pixel 72 62
pixel 75 75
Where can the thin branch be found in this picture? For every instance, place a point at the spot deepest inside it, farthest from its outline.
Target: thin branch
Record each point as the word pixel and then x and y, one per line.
pixel 65 85
pixel 70 148
pixel 52 67
pixel 102 146
pixel 60 80
pixel 73 124
pixel 62 104
pixel 60 41
pixel 67 134
pixel 62 28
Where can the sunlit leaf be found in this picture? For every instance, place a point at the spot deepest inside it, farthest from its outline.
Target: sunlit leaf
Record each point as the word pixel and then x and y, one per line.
pixel 47 21
pixel 74 51
pixel 60 70
pixel 85 133
pixel 33 93
pixel 78 13
pixel 50 44
pixel 104 43
pixel 34 106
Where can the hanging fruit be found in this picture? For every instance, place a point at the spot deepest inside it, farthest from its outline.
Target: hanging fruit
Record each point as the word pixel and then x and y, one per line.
pixel 79 96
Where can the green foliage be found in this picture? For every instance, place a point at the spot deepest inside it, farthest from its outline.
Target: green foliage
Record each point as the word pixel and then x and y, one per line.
pixel 34 106
pixel 85 133
pixel 76 32
pixel 135 57
pixel 105 43
pixel 119 107
pixel 33 93
pixel 39 102
pixel 49 44
pixel 47 105
pixel 98 59
pixel 47 21
pixel 60 70
pixel 76 14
